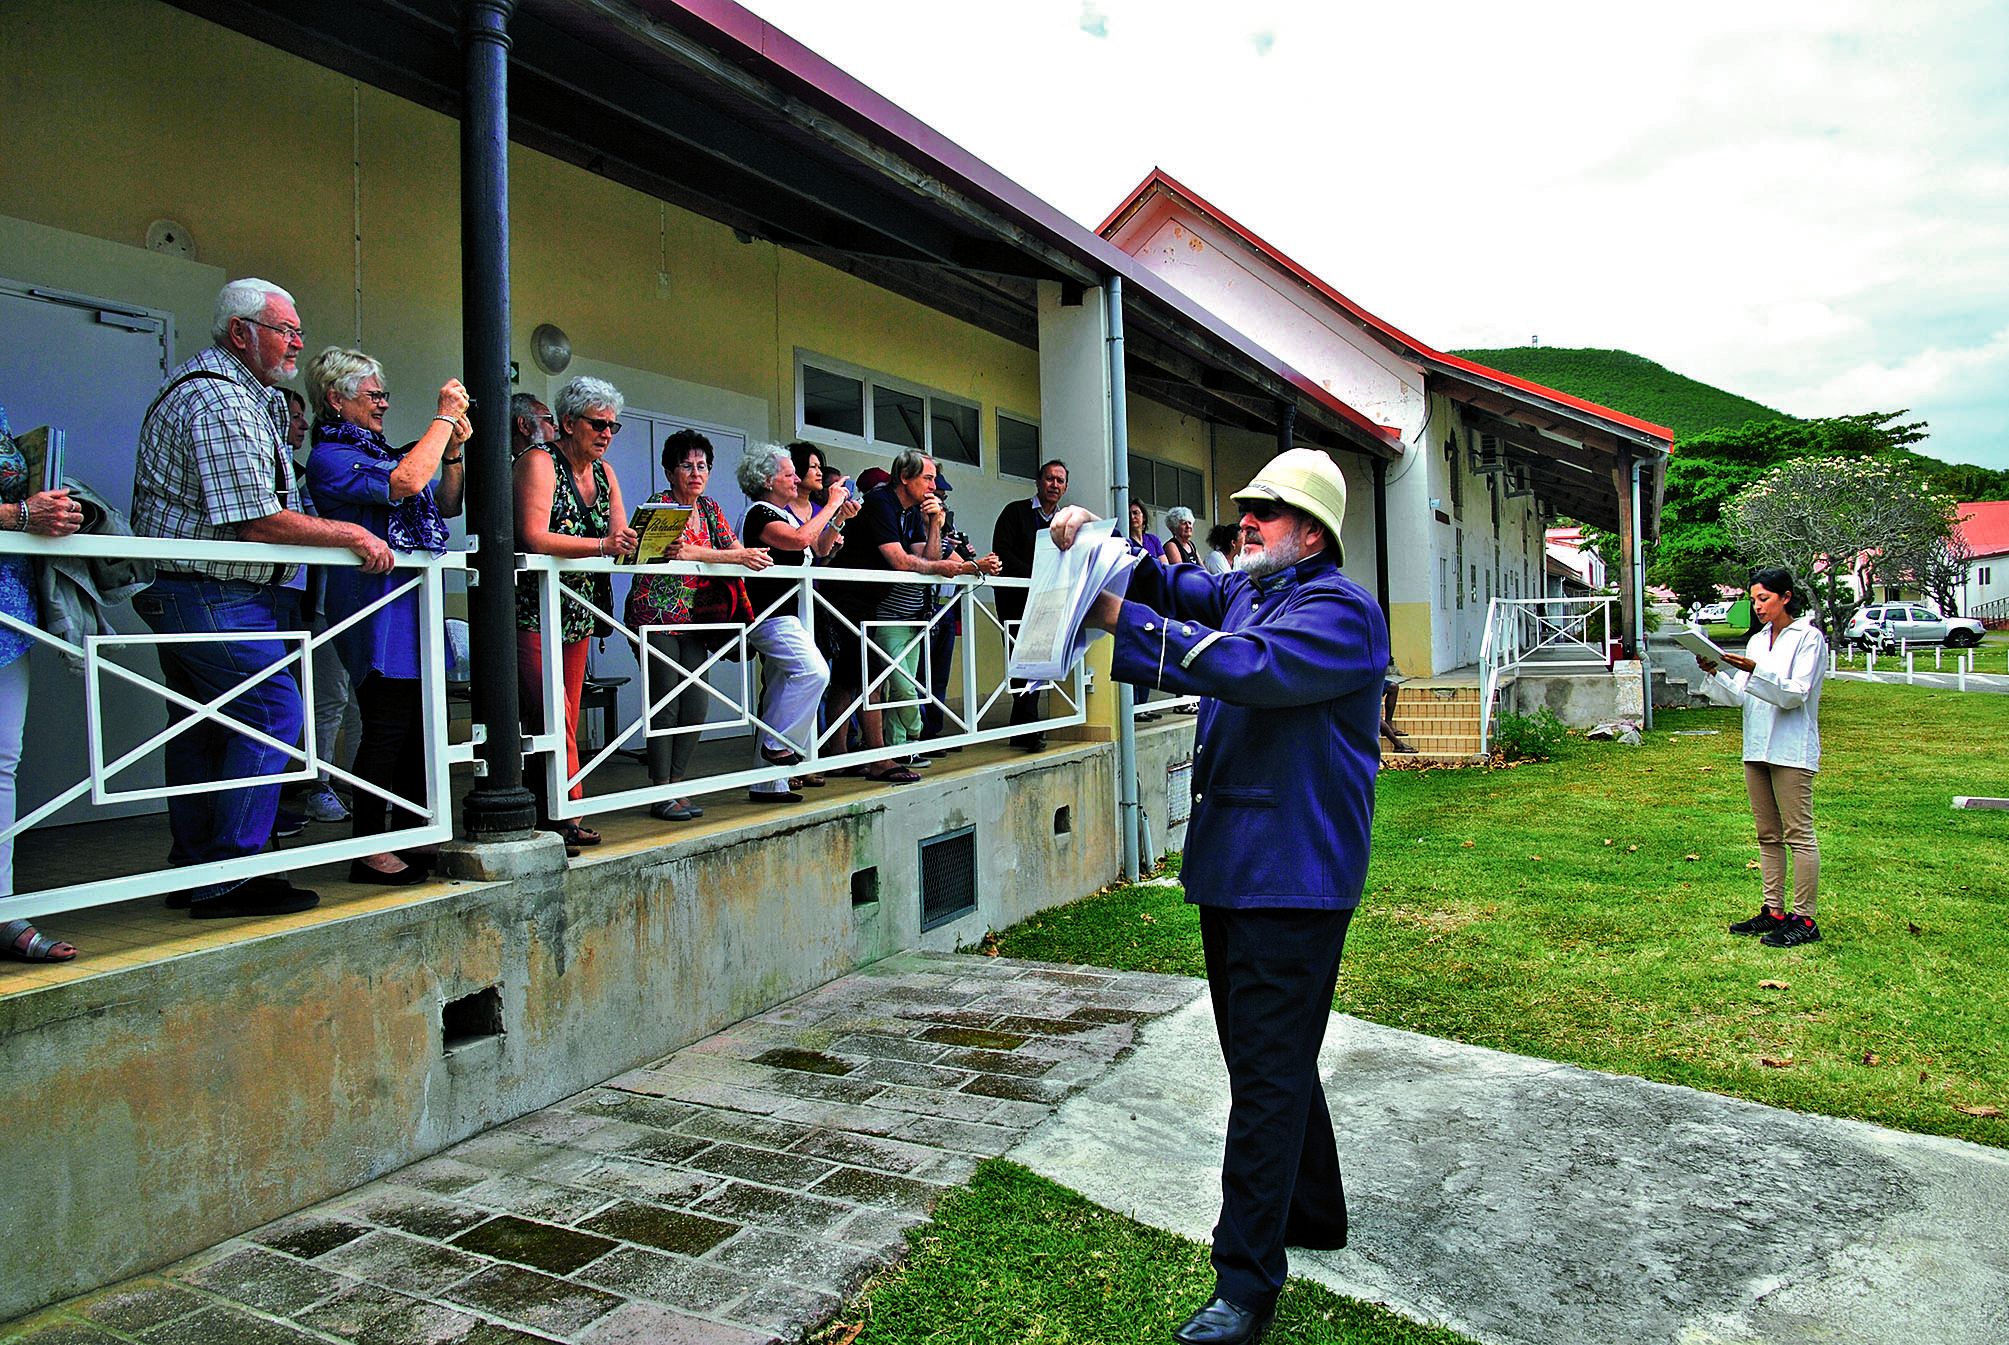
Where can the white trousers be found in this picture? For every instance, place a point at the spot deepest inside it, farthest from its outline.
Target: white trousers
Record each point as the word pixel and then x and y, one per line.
pixel 13 720
pixel 794 678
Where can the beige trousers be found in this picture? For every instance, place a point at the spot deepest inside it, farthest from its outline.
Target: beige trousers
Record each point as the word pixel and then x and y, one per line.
pixel 1782 801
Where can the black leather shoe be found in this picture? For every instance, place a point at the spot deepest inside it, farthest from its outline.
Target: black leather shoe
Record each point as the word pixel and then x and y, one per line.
pixel 1222 1323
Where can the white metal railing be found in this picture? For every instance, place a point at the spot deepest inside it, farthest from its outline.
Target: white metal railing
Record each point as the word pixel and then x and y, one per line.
pixel 981 688
pixel 89 711
pixel 1553 632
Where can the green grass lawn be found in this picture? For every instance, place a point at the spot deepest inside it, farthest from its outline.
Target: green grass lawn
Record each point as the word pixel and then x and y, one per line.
pixel 1575 910
pixel 1014 1257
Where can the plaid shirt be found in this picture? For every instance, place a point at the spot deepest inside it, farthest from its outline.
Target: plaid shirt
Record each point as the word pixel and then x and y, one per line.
pixel 213 455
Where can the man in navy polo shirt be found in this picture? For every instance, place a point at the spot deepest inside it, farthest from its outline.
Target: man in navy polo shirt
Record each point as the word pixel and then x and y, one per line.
pixel 1287 654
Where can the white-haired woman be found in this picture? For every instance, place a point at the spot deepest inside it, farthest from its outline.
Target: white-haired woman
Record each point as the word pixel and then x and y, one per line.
pixel 795 675
pixel 568 503
pixel 355 476
pixel 1179 548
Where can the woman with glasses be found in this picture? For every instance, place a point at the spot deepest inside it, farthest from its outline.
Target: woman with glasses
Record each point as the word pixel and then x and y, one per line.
pixel 568 503
pixel 678 600
pixel 355 476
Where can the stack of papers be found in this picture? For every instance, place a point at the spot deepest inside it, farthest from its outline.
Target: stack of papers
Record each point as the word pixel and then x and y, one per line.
pixel 1065 584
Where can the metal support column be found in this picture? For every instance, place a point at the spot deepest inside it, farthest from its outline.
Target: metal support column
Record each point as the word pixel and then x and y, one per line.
pixel 499 804
pixel 1129 812
pixel 1381 535
pixel 1638 578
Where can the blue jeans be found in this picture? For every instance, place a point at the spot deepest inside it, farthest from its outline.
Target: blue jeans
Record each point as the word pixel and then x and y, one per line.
pixel 208 824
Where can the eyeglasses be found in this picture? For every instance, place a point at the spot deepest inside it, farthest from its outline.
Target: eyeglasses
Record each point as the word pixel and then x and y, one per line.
pixel 602 426
pixel 380 397
pixel 548 421
pixel 285 329
pixel 698 466
pixel 1263 511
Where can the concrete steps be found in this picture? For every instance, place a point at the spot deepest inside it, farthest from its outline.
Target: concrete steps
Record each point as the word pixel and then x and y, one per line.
pixel 1441 723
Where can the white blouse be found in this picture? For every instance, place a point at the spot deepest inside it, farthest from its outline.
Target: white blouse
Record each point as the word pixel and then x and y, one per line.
pixel 1782 698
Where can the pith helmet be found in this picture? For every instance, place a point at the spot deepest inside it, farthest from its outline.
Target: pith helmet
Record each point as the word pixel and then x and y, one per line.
pixel 1306 479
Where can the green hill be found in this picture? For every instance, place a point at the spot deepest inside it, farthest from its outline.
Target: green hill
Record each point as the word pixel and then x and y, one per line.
pixel 1629 383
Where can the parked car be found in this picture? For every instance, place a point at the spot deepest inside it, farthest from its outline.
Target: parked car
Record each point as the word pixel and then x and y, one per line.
pixel 1912 624
pixel 1712 613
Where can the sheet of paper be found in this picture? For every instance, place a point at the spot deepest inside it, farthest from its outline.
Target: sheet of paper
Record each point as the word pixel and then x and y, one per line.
pixel 1053 636
pixel 660 525
pixel 1698 644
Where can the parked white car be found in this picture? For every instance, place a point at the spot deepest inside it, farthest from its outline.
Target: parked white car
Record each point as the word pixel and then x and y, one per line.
pixel 1913 625
pixel 1715 611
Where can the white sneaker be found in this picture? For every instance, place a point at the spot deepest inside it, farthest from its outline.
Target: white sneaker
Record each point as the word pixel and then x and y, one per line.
pixel 321 805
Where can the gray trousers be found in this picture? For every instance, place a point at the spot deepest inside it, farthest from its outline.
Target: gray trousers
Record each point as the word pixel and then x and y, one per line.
pixel 1782 801
pixel 670 754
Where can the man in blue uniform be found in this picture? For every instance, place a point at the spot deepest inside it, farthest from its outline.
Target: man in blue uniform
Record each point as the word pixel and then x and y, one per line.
pixel 1288 654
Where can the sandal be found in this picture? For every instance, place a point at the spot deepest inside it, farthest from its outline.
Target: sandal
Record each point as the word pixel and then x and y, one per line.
pixel 782 758
pixel 899 775
pixel 575 834
pixel 39 947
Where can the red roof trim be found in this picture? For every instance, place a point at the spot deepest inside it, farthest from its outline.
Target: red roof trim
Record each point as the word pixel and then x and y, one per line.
pixel 740 34
pixel 1159 179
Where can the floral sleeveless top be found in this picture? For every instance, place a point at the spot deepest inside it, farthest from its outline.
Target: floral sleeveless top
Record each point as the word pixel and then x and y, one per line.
pixel 571 515
pixel 17 573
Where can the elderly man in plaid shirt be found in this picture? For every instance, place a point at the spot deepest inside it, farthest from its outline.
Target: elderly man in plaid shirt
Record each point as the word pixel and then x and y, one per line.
pixel 213 465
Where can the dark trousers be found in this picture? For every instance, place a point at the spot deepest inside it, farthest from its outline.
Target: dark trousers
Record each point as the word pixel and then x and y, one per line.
pixel 392 753
pixel 1270 974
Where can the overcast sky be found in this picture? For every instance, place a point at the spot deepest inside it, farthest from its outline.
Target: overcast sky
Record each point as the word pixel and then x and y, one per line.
pixel 1806 203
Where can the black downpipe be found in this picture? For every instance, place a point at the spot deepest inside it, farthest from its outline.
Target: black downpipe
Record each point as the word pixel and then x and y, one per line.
pixel 1381 534
pixel 1287 428
pixel 499 803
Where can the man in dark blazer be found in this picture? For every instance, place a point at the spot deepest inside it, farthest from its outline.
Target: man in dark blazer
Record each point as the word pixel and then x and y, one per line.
pixel 1288 656
pixel 1019 524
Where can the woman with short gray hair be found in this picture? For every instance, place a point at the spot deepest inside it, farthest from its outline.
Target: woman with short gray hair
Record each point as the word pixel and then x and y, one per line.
pixel 794 672
pixel 1179 548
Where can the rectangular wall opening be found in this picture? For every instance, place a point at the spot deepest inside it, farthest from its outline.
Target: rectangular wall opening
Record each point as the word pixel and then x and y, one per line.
pixel 471 1018
pixel 865 887
pixel 1063 820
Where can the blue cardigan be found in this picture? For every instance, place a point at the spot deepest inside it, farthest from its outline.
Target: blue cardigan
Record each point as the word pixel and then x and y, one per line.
pixel 1288 744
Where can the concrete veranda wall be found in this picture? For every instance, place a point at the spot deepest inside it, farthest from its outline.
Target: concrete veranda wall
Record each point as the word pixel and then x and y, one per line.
pixel 163 1107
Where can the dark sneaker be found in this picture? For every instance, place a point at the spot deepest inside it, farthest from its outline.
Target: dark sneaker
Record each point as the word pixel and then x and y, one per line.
pixel 1792 932
pixel 1764 922
pixel 288 824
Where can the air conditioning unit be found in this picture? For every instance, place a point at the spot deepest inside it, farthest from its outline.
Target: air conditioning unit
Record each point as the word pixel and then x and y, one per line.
pixel 1520 482
pixel 1488 453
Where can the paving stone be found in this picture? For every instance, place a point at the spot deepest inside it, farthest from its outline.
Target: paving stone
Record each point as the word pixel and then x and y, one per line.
pixel 649 1181
pixel 1103 1014
pixel 796 1058
pixel 664 1278
pixel 632 1108
pixel 548 1201
pixel 909 1075
pixel 665 1146
pixel 702 1092
pixel 65 1331
pixel 410 1211
pixel 787 1310
pixel 222 1326
pixel 488 1333
pixel 666 1230
pixel 968 1137
pixel 561 1163
pixel 400 1262
pixel 984 1038
pixel 956 1017
pixel 534 1299
pixel 1018 1115
pixel 761 1165
pixel 417 1323
pixel 137 1305
pixel 932 1102
pixel 862 1151
pixel 499 1149
pixel 844 1116
pixel 351 1311
pixel 743 1203
pixel 1023 1025
pixel 998 1062
pixel 308 1235
pixel 882 1230
pixel 763 1132
pixel 879 1188
pixel 793 1084
pixel 1017 1089
pixel 266 1281
pixel 649 1324
pixel 545 1246
pixel 766 1255
pixel 877 1047
pixel 441 1176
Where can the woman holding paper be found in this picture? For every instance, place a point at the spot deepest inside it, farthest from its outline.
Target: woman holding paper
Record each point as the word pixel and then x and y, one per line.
pixel 1778 685
pixel 680 600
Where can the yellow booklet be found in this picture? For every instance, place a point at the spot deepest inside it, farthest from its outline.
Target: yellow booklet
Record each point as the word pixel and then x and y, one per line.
pixel 659 526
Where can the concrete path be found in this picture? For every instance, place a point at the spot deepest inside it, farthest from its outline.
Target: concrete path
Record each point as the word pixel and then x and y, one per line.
pixel 1528 1203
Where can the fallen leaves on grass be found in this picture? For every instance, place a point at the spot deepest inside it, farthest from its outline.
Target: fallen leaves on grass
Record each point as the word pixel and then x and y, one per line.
pixel 1631 849
pixel 1776 1061
pixel 1466 845
pixel 988 945
pixel 1691 858
pixel 1872 1058
pixel 1775 985
pixel 1536 858
pixel 1981 1109
pixel 1607 840
pixel 1147 917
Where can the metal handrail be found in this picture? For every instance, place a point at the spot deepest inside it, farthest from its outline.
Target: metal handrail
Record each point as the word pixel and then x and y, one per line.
pixel 102 670
pixel 1519 628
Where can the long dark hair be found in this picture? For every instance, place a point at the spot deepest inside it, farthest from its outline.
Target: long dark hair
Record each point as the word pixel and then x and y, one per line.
pixel 1779 579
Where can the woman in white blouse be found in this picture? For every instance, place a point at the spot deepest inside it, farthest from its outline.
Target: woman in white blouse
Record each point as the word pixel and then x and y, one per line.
pixel 1778 685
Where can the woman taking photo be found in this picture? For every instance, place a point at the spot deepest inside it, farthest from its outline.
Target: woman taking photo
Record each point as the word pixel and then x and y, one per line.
pixel 794 674
pixel 355 476
pixel 568 503
pixel 679 600
pixel 1778 686
pixel 812 478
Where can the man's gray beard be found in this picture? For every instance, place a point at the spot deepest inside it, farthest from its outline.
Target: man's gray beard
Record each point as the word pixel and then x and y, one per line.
pixel 1268 561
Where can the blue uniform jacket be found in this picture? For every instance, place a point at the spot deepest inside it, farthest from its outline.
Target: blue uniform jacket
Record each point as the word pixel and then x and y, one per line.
pixel 1291 669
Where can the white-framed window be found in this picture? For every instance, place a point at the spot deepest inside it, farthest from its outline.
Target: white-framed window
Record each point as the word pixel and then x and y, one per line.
pixel 1018 446
pixel 843 405
pixel 1161 485
pixel 1982 575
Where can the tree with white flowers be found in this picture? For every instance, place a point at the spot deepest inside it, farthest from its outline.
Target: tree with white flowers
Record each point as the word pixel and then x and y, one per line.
pixel 1829 519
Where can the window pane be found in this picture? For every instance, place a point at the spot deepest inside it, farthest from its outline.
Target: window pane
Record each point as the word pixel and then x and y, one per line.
pixel 1166 493
pixel 1018 448
pixel 954 430
pixel 1140 480
pixel 832 401
pixel 896 418
pixel 1192 493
